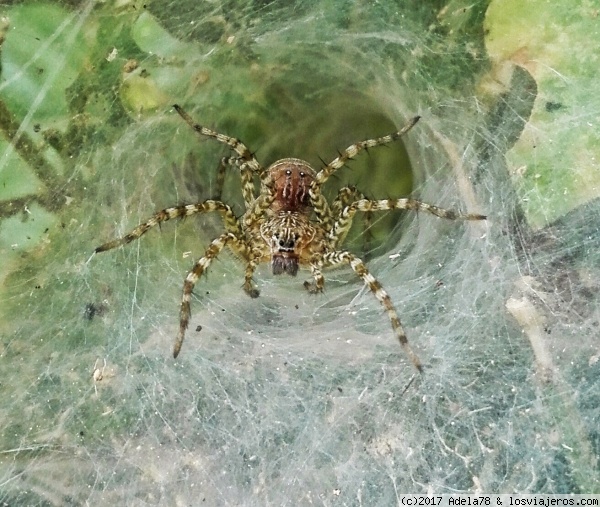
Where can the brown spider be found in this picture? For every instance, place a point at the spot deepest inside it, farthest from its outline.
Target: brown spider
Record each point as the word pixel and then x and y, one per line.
pixel 289 223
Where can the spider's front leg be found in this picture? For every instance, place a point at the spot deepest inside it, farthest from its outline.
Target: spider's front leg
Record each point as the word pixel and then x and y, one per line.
pixel 318 202
pixel 246 176
pixel 351 151
pixel 245 159
pixel 358 266
pixel 190 281
pixel 318 283
pixel 249 287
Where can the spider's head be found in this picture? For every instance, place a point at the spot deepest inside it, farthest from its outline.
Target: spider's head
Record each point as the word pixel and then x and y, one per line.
pixel 292 178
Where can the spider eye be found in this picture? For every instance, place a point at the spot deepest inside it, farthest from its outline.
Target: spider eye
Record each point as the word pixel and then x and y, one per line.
pixel 288 172
pixel 302 174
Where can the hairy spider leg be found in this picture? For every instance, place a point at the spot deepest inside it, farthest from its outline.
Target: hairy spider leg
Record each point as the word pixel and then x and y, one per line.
pixel 245 175
pixel 249 286
pixel 320 207
pixel 231 223
pixel 343 223
pixel 192 277
pixel 319 280
pixel 354 149
pixel 345 197
pixel 358 266
pixel 232 236
pixel 221 172
pixel 246 161
pixel 263 202
pixel 322 211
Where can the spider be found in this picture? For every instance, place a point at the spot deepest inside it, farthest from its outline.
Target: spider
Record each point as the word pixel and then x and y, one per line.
pixel 289 223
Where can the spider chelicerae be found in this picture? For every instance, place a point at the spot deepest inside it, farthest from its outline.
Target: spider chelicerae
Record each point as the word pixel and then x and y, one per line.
pixel 289 223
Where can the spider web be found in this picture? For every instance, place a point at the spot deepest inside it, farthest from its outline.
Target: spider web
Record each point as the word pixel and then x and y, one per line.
pixel 296 399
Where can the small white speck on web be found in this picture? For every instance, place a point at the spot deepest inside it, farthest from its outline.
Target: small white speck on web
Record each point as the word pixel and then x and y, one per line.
pixel 112 55
pixel 393 256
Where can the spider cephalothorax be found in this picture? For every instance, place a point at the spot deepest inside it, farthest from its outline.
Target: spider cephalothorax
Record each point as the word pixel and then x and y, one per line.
pixel 289 223
pixel 287 228
pixel 292 179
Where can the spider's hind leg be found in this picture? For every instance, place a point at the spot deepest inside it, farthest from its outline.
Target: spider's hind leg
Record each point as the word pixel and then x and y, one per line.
pixel 249 285
pixel 190 281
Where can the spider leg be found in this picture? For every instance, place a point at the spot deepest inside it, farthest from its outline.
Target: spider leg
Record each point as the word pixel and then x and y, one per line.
pixel 245 174
pixel 342 225
pixel 358 266
pixel 263 202
pixel 354 149
pixel 190 281
pixel 249 287
pixel 320 206
pixel 231 223
pixel 247 184
pixel 319 281
pixel 235 144
pixel 345 197
pixel 322 211
pixel 221 171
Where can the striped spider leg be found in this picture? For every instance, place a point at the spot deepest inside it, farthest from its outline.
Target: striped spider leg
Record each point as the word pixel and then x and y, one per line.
pixel 320 205
pixel 245 159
